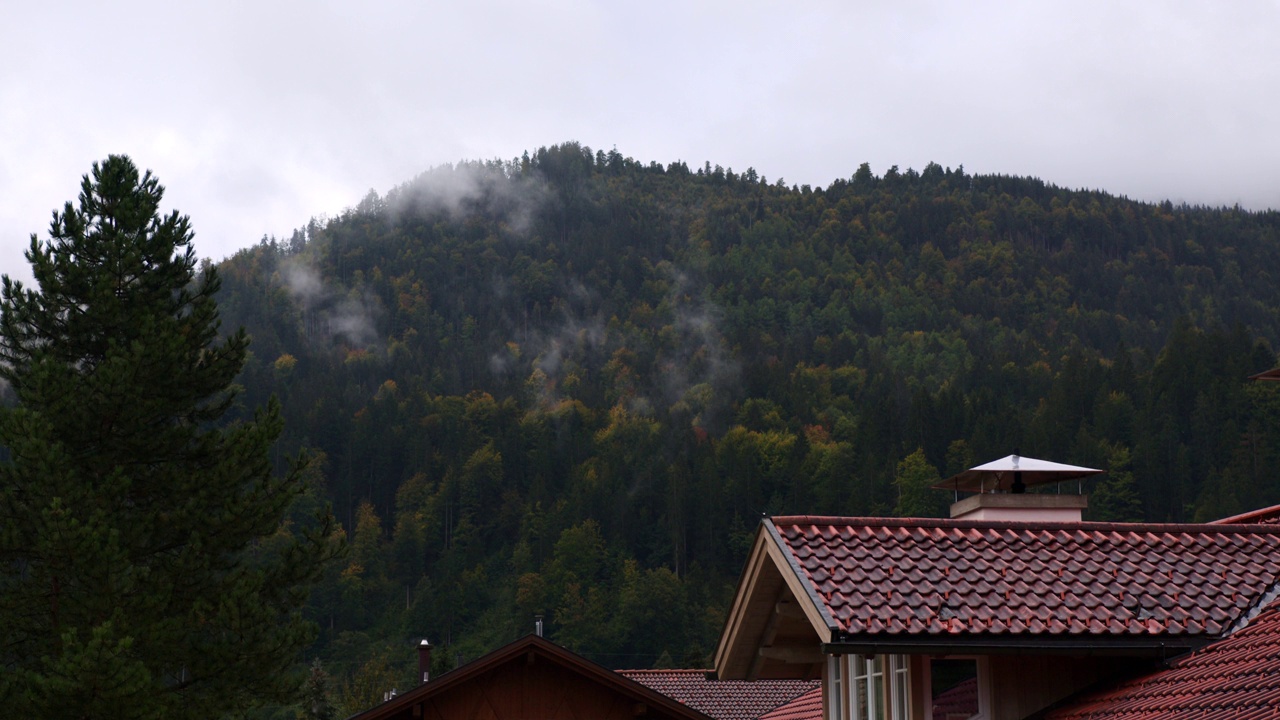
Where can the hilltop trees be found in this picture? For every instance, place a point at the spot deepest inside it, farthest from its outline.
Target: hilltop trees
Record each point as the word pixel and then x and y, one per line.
pixel 667 353
pixel 145 570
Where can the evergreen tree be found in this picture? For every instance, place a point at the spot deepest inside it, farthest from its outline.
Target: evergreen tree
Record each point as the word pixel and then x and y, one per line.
pixel 316 701
pixel 1115 498
pixel 915 479
pixel 136 575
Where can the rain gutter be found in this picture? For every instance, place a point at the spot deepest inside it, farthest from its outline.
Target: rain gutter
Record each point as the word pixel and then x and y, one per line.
pixel 1164 647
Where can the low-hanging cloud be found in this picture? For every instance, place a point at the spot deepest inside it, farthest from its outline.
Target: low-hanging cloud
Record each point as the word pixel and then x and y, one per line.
pixel 579 339
pixel 698 370
pixel 457 191
pixel 692 369
pixel 329 312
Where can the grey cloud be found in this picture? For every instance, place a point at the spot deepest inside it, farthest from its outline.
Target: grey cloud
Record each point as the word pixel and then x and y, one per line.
pixel 699 371
pixel 258 116
pixel 460 189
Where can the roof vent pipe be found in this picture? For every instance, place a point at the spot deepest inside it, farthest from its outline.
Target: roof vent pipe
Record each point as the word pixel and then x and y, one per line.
pixel 537 625
pixel 424 660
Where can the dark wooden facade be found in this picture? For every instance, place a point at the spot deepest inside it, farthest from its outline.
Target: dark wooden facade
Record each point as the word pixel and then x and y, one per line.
pixel 531 679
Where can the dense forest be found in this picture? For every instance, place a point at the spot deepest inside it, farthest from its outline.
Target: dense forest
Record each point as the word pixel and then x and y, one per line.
pixel 568 385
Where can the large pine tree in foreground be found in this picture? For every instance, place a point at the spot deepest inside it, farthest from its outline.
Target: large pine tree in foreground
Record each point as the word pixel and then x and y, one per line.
pixel 145 566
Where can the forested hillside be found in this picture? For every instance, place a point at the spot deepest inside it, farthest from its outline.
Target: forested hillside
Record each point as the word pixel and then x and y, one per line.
pixel 570 384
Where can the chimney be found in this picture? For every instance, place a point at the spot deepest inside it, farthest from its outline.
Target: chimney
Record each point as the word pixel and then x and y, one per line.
pixel 424 660
pixel 1000 491
pixel 537 625
pixel 1020 507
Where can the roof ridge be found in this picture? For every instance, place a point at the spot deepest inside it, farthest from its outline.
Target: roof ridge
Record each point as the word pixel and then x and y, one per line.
pixel 703 671
pixel 1203 528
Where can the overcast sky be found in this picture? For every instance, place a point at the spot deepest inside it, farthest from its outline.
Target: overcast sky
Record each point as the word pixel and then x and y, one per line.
pixel 260 115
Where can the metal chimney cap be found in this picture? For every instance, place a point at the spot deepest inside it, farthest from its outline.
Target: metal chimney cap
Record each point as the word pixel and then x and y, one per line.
pixel 425 643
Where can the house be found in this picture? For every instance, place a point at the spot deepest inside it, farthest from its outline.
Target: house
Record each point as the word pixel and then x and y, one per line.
pixel 531 678
pixel 999 613
pixel 535 678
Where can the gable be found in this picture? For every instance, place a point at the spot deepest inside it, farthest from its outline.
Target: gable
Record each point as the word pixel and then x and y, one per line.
pixel 775 626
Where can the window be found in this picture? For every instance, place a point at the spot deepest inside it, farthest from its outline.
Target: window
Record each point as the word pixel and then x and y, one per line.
pixel 955 691
pixel 869 687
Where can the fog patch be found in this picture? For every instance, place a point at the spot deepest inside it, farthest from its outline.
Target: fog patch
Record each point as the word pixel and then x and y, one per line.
pixel 681 366
pixel 697 372
pixel 329 313
pixel 471 188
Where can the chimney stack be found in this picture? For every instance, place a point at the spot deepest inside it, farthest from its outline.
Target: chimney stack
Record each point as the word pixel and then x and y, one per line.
pixel 424 660
pixel 537 625
pixel 1000 491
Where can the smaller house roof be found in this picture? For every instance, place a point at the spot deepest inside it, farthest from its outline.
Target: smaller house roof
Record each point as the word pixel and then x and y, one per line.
pixel 806 707
pixel 484 678
pixel 722 699
pixel 1238 678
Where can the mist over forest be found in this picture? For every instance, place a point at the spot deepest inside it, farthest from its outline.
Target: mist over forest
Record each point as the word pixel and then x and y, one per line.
pixel 569 384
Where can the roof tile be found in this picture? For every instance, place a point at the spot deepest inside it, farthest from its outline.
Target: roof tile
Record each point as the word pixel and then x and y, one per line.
pixel 806 707
pixel 723 699
pixel 975 577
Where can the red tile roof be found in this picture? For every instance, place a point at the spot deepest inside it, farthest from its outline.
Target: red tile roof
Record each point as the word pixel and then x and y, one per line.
pixel 1265 516
pixel 721 699
pixel 806 707
pixel 1238 678
pixel 886 578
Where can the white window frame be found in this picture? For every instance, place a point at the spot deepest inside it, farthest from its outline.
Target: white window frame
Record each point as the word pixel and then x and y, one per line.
pixel 899 687
pixel 857 682
pixel 836 708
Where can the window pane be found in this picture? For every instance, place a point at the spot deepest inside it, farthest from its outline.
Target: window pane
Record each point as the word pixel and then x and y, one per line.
pixel 835 691
pixel 954 688
pixel 876 671
pixel 900 683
